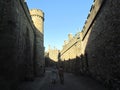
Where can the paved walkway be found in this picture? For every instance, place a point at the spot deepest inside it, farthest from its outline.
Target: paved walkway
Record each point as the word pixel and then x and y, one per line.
pixel 72 82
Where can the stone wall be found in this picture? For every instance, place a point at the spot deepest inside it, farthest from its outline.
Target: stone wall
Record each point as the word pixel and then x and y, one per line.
pixel 70 51
pixel 53 54
pixel 38 20
pixel 100 44
pixel 17 44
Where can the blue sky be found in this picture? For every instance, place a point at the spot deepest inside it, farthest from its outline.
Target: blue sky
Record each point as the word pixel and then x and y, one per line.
pixel 61 18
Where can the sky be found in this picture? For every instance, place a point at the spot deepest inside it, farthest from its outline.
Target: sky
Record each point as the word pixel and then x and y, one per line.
pixel 61 18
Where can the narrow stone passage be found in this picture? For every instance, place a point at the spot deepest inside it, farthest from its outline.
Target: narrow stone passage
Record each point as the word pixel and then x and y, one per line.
pixel 72 82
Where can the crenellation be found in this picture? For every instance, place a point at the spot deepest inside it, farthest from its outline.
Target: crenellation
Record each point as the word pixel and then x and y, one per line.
pixel 91 16
pixel 96 53
pixel 38 18
pixel 19 46
pixel 37 12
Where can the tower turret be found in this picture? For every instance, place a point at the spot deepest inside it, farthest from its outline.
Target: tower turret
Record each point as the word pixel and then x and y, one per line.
pixel 38 19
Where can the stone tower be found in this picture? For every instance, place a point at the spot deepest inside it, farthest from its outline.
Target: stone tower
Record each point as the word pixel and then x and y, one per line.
pixel 38 20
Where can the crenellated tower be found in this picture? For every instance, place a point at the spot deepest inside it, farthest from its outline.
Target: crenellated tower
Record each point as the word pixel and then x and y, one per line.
pixel 38 19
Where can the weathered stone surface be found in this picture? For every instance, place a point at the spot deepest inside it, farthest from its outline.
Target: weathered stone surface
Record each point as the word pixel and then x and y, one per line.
pixel 17 44
pixel 99 44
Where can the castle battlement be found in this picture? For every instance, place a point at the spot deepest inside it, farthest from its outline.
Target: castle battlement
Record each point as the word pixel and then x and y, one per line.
pixel 91 16
pixel 38 19
pixel 37 12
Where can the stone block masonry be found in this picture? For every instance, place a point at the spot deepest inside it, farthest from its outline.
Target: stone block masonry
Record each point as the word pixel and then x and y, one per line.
pixel 102 46
pixel 99 44
pixel 38 20
pixel 17 44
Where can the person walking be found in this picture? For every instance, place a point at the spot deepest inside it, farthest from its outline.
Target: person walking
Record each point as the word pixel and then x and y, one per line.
pixel 61 74
pixel 54 75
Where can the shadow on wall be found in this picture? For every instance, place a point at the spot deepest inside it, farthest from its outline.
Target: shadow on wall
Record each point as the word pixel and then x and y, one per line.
pixel 78 65
pixel 101 51
pixel 17 45
pixel 102 46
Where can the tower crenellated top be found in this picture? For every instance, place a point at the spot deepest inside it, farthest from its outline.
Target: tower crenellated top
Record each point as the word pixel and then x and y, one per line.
pixel 37 12
pixel 38 19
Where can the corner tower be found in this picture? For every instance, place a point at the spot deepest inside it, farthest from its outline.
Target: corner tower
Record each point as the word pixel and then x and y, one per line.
pixel 38 19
